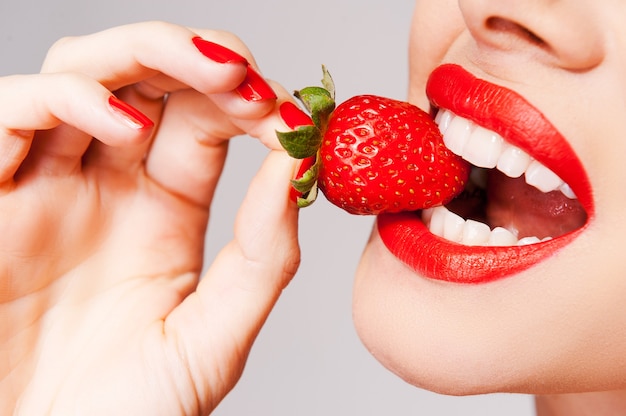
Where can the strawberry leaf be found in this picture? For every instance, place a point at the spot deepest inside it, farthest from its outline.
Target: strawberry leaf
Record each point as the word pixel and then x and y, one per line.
pixel 305 183
pixel 328 83
pixel 302 142
pixel 319 102
pixel 308 198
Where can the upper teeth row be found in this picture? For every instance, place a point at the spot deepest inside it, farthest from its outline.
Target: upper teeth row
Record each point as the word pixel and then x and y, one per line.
pixel 486 149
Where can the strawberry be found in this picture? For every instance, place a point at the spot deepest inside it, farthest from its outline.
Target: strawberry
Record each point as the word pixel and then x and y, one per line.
pixel 372 154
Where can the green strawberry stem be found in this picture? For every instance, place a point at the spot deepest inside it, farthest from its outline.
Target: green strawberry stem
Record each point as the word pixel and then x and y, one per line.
pixel 305 141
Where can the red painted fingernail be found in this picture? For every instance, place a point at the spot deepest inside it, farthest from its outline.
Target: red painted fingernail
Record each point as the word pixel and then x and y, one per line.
pixel 294 195
pixel 293 116
pixel 129 115
pixel 255 88
pixel 305 164
pixel 218 53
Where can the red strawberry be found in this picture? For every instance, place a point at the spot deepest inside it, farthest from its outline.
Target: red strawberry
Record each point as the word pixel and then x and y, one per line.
pixel 373 154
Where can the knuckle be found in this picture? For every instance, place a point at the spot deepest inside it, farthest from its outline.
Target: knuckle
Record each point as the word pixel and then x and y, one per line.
pixel 55 56
pixel 158 26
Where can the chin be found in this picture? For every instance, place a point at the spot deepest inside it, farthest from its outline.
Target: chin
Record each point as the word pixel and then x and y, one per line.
pixel 401 320
pixel 516 335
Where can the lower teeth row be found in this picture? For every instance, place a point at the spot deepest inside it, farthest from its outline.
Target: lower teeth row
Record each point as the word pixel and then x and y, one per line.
pixel 446 224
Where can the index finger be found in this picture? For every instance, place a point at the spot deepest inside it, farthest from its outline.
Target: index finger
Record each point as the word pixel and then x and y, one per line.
pixel 129 54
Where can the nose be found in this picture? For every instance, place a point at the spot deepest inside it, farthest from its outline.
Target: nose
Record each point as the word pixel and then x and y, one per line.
pixel 566 34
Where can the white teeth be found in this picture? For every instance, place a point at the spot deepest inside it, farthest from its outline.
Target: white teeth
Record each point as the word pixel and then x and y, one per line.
pixel 513 161
pixel 567 191
pixel 483 148
pixel 475 233
pixel 443 119
pixel 528 240
pixel 453 227
pixel 436 220
pixel 457 134
pixel 501 237
pixel 542 178
pixel 486 149
pixel 444 223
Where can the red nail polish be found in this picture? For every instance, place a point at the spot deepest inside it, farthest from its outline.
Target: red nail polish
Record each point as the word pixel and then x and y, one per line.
pixel 255 88
pixel 293 116
pixel 129 115
pixel 218 53
pixel 305 164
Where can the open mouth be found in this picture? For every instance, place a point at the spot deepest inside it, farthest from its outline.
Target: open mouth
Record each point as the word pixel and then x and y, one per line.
pixel 528 195
pixel 511 199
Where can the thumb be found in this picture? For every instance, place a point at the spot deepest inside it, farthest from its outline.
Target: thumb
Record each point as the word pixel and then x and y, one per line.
pixel 216 326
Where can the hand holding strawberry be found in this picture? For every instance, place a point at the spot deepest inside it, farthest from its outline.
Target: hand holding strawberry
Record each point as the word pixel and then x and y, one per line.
pixel 372 154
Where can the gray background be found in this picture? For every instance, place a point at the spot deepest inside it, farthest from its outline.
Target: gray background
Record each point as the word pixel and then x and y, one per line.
pixel 308 359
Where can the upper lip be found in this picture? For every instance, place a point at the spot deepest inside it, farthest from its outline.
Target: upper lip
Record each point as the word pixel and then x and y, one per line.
pixel 510 115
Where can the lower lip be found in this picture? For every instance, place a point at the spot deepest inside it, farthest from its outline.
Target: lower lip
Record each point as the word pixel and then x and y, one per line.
pixel 408 239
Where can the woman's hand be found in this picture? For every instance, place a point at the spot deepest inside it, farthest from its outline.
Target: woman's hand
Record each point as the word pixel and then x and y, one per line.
pixel 104 208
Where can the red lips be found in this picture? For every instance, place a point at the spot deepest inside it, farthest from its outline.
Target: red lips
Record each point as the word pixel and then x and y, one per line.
pixel 521 124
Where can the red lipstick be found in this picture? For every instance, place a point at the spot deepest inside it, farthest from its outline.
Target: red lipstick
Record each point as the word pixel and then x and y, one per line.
pixel 507 113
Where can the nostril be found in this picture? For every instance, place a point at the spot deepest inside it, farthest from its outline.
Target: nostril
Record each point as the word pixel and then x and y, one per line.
pixel 567 35
pixel 505 26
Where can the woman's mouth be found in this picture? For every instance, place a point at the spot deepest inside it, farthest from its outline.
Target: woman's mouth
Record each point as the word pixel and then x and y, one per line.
pixel 529 195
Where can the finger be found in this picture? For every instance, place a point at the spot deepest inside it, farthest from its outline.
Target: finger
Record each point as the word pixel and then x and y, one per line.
pixel 38 102
pixel 131 157
pixel 252 98
pixel 161 58
pixel 255 89
pixel 214 328
pixel 286 115
pixel 188 153
pixel 56 152
pixel 142 52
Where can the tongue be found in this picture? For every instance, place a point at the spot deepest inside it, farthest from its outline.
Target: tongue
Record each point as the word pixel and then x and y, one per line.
pixel 515 205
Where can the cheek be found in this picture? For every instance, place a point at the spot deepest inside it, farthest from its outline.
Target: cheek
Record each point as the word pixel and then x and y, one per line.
pixel 539 332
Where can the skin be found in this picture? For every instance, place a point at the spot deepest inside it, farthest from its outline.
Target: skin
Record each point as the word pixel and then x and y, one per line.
pixel 558 329
pixel 102 239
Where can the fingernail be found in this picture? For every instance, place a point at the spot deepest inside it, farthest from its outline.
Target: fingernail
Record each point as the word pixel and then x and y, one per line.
pixel 218 53
pixel 293 116
pixel 294 195
pixel 255 88
pixel 305 164
pixel 129 115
